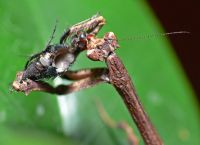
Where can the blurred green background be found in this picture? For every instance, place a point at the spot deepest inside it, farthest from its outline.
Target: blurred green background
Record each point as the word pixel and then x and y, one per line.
pixel 43 119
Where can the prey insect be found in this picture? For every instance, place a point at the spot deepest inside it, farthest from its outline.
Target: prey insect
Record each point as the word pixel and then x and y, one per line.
pixel 56 59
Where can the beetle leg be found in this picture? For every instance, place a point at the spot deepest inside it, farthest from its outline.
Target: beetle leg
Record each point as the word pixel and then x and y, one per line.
pixel 51 72
pixel 64 36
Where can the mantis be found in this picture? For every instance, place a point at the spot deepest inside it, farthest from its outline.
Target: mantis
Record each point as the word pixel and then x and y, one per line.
pixel 56 59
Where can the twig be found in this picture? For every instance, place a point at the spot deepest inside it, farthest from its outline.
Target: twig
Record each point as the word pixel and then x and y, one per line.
pixel 103 50
pixel 132 139
pixel 120 79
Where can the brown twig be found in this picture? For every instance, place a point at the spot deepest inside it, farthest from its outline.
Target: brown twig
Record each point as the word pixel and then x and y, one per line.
pixel 120 79
pixel 132 139
pixel 103 50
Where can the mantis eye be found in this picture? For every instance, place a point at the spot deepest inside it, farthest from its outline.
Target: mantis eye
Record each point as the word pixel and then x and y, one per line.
pixel 90 36
pixel 82 36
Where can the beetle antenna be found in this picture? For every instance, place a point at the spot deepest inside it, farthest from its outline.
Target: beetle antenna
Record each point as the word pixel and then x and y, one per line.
pixel 53 33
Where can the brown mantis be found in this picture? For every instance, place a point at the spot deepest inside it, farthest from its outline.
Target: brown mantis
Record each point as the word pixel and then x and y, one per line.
pixel 82 37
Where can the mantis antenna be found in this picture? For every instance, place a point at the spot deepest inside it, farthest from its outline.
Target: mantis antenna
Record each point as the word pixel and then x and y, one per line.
pixel 148 36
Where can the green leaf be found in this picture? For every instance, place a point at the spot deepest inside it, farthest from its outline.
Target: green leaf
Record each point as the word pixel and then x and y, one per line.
pixel 46 119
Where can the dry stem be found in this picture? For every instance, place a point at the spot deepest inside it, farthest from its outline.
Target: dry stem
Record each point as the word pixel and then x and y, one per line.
pixel 132 139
